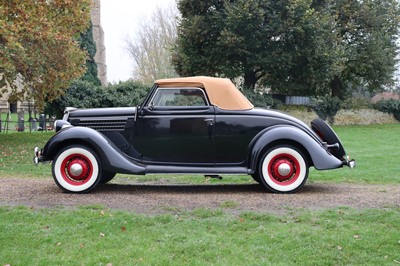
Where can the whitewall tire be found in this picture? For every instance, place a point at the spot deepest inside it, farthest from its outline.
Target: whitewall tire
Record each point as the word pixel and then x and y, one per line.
pixel 76 168
pixel 283 169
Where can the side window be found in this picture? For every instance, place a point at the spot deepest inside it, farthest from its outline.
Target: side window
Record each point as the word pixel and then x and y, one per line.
pixel 179 97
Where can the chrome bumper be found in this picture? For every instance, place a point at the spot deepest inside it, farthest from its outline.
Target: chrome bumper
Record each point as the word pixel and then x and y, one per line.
pixel 350 162
pixel 38 156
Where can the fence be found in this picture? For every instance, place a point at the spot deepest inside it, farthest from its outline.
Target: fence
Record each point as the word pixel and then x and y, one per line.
pixel 21 123
pixel 297 100
pixel 292 100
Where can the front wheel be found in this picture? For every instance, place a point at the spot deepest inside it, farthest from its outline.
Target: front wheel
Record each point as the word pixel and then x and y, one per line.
pixel 107 177
pixel 283 169
pixel 76 168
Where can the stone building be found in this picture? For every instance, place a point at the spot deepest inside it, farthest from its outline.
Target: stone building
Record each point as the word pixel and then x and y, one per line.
pixel 98 36
pixel 100 59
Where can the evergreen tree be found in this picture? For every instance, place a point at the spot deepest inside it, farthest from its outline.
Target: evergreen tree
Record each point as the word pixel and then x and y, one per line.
pixel 87 43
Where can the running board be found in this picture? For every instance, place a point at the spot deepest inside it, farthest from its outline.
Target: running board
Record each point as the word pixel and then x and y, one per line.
pixel 158 169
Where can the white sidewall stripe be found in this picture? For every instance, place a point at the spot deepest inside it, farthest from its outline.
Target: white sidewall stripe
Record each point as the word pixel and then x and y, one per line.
pixel 59 176
pixel 274 185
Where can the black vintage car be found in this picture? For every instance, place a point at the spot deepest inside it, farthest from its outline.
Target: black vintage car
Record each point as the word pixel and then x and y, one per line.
pixel 198 125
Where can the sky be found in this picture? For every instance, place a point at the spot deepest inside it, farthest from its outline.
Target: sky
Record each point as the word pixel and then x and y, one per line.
pixel 119 19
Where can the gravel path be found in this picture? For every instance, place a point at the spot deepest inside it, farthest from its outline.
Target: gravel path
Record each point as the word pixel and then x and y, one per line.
pixel 160 198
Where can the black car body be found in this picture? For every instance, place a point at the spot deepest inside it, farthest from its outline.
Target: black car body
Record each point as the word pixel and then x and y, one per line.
pixel 198 125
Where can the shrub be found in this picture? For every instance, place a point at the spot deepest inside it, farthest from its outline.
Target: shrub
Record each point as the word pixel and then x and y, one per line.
pixel 80 94
pixel 260 99
pixel 326 107
pixel 390 106
pixel 127 93
pixel 84 94
pixel 357 103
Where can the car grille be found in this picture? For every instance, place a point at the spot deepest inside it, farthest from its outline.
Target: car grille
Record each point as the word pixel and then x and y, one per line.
pixel 104 125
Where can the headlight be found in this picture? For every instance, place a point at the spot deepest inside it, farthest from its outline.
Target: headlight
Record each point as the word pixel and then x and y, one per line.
pixel 60 124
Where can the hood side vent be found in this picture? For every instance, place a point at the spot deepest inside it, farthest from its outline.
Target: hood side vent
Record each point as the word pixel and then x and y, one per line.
pixel 104 125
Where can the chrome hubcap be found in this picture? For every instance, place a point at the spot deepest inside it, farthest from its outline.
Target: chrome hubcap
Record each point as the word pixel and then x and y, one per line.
pixel 76 169
pixel 284 169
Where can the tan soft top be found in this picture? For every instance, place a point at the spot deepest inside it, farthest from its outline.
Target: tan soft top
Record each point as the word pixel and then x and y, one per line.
pixel 221 91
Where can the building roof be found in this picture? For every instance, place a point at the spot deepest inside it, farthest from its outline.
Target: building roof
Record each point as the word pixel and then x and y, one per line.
pixel 221 91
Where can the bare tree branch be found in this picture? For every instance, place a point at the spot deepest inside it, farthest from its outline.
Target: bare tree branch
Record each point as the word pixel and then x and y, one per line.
pixel 151 46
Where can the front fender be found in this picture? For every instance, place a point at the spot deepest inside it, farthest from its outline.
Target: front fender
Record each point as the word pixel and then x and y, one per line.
pixel 321 158
pixel 112 158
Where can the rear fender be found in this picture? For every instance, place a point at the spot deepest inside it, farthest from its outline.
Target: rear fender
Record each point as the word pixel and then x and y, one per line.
pixel 112 158
pixel 321 158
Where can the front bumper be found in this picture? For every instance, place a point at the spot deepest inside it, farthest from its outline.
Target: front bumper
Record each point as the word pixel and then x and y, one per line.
pixel 38 156
pixel 349 162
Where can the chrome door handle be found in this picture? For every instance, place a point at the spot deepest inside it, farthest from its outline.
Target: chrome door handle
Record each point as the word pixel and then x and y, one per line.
pixel 210 121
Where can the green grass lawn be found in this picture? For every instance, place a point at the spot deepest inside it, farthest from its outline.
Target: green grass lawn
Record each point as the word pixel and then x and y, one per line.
pixel 377 151
pixel 16 154
pixel 95 235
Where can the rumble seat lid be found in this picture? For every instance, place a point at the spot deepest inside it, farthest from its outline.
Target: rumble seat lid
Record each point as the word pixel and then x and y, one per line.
pixel 221 91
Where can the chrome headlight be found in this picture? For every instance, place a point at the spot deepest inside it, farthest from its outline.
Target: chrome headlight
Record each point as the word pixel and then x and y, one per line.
pixel 60 124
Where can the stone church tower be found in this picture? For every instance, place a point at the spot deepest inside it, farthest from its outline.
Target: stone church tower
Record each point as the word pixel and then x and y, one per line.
pixel 98 36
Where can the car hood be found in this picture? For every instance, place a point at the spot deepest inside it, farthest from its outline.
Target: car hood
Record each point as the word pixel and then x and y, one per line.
pixel 103 112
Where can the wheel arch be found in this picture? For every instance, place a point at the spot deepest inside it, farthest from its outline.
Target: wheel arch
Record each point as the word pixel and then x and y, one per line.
pixel 316 154
pixel 111 157
pixel 68 142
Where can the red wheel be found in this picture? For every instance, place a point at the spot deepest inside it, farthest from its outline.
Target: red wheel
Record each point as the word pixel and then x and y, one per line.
pixel 76 169
pixel 283 169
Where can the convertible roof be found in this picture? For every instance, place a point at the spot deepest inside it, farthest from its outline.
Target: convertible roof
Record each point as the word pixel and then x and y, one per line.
pixel 221 91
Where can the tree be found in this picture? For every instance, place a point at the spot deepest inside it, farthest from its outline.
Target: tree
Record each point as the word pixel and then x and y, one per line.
pixel 87 44
pixel 151 46
pixel 38 46
pixel 290 46
pixel 368 33
pixel 261 41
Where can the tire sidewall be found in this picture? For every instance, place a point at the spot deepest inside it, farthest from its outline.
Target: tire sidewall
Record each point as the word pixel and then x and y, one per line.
pixel 93 179
pixel 272 184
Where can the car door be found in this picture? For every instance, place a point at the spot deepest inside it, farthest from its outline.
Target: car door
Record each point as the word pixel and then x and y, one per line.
pixel 176 127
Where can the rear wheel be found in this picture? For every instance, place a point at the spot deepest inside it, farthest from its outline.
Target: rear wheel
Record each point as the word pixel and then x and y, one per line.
pixel 283 169
pixel 76 168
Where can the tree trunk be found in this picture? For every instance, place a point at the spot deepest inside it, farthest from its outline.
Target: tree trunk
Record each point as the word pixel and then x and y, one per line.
pixel 337 87
pixel 250 80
